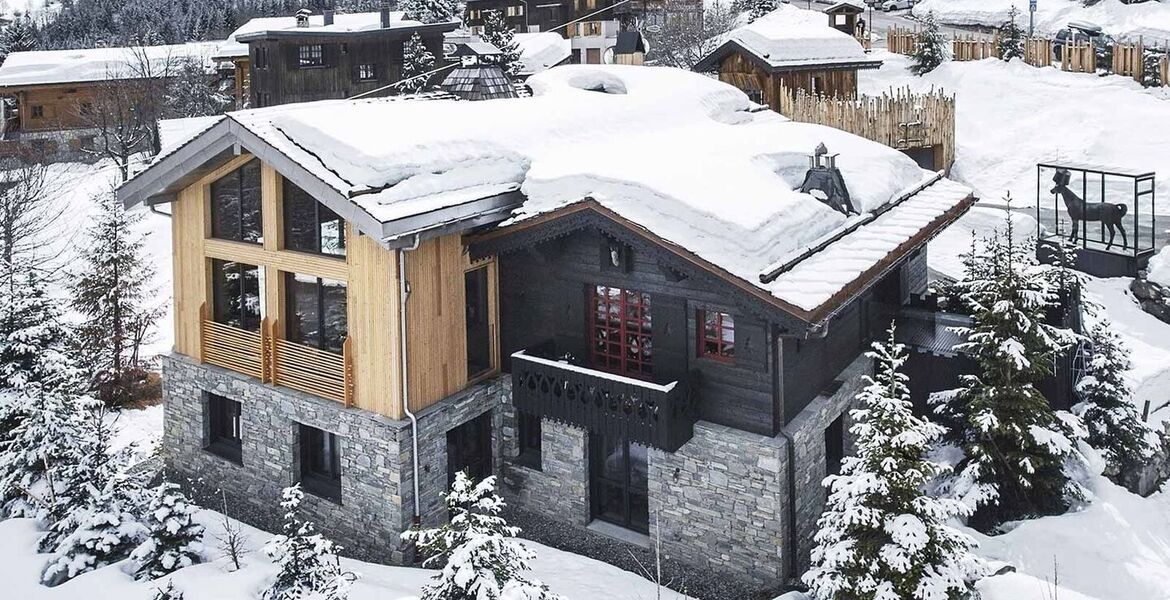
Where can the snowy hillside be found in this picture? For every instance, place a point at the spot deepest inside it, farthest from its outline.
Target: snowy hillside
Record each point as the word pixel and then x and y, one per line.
pixel 1149 19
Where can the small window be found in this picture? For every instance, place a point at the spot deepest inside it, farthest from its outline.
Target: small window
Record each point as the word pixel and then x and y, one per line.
pixel 528 437
pixel 223 428
pixel 716 335
pixel 310 55
pixel 345 48
pixel 840 19
pixel 591 28
pixel 316 314
pixel 365 72
pixel 261 60
pixel 835 446
pixel 320 463
pixel 86 108
pixel 235 205
pixel 516 10
pixel 87 142
pixel 310 226
pixel 38 111
pixel 235 294
pixel 473 14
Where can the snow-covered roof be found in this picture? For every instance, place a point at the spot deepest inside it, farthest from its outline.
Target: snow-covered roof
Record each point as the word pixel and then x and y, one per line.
pixel 697 167
pixel 342 23
pixel 540 51
pixel 47 67
pixel 791 37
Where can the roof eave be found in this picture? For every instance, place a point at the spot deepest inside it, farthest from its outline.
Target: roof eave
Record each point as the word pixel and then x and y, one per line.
pixel 292 32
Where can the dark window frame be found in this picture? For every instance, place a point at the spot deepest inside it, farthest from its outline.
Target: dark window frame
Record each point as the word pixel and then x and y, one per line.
pixel 240 185
pixel 478 322
pixel 290 308
pixel 320 469
pixel 37 111
pixel 529 445
pixel 224 428
pixel 310 56
pixel 633 322
pixel 715 348
pixel 835 445
pixel 289 191
pixel 261 60
pixel 218 266
pixel 366 72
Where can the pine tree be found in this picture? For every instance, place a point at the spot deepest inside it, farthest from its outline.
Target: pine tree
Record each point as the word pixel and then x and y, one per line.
pixel 1113 423
pixel 107 532
pixel 1016 448
pixel 1011 37
pixel 430 11
pixel 19 36
pixel 881 536
pixel 931 49
pixel 307 560
pixel 416 60
pixel 497 33
pixel 483 558
pixel 111 291
pixel 192 93
pixel 760 8
pixel 175 540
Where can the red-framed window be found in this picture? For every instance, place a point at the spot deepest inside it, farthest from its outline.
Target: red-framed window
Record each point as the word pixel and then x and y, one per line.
pixel 716 335
pixel 620 331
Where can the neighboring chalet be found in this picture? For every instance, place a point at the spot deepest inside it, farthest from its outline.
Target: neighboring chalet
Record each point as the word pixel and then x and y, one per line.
pixel 370 297
pixel 542 51
pixel 282 60
pixel 52 97
pixel 787 50
pixel 592 39
pixel 843 16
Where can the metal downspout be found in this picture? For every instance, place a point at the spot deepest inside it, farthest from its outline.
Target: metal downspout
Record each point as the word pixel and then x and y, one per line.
pixel 403 295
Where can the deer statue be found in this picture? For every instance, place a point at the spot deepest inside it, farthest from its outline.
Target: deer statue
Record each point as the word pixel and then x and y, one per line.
pixel 1107 213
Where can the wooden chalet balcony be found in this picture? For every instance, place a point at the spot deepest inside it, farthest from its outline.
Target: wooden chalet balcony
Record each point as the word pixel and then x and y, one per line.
pixel 647 413
pixel 277 361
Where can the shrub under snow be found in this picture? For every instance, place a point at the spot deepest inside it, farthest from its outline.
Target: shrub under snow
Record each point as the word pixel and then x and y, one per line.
pixel 107 532
pixel 309 567
pixel 175 540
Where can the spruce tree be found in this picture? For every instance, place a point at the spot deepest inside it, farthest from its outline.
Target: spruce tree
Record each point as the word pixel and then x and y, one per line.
pixel 113 294
pixel 760 8
pixel 1106 407
pixel 416 60
pixel 931 49
pixel 107 531
pixel 483 559
pixel 430 11
pixel 497 33
pixel 175 540
pixel 1016 448
pixel 19 36
pixel 191 92
pixel 1011 37
pixel 881 536
pixel 308 562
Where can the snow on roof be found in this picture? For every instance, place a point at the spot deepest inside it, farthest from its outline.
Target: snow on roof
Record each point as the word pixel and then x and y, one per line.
pixel 791 36
pixel 674 152
pixel 540 51
pixel 45 67
pixel 233 48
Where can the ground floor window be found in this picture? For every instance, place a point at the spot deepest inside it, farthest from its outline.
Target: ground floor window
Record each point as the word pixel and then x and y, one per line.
pixel 835 446
pixel 528 438
pixel 223 428
pixel 618 483
pixel 320 463
pixel 469 449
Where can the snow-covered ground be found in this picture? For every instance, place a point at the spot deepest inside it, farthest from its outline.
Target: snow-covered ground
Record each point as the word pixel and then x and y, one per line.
pixel 1011 116
pixel 1148 19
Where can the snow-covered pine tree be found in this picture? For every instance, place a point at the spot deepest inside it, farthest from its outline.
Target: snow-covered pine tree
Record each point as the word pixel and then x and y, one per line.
pixel 881 536
pixel 759 8
pixel 175 539
pixel 497 33
pixel 1106 407
pixel 430 11
pixel 1016 449
pixel 1011 37
pixel 19 36
pixel 483 559
pixel 113 294
pixel 191 92
pixel 416 60
pixel 931 49
pixel 307 560
pixel 34 342
pixel 107 532
pixel 170 592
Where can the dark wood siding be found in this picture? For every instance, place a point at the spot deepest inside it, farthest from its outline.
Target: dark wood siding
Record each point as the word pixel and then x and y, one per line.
pixel 544 295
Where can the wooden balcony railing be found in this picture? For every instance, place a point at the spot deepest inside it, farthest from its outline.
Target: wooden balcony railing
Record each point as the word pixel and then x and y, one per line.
pixel 265 356
pixel 612 405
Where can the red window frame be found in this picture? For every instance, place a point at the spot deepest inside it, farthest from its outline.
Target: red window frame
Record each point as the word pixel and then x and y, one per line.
pixel 716 335
pixel 620 331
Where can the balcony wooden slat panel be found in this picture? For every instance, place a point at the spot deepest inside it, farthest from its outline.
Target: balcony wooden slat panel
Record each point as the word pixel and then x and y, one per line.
pixel 310 370
pixel 231 348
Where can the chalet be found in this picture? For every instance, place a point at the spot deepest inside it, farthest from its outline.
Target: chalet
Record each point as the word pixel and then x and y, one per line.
pixel 843 16
pixel 591 26
pixel 51 96
pixel 542 51
pixel 787 50
pixel 281 60
pixel 371 296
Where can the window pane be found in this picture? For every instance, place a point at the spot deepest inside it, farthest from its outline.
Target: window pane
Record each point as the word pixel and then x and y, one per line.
pixel 223 419
pixel 479 349
pixel 235 294
pixel 335 324
pixel 235 205
pixel 251 228
pixel 303 320
pixel 300 219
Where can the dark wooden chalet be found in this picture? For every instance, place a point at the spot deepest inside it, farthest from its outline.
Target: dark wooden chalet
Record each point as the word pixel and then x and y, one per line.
pixel 843 16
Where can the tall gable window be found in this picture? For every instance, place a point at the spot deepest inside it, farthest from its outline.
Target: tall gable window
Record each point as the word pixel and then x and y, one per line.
pixel 235 294
pixel 310 226
pixel 620 331
pixel 316 312
pixel 310 55
pixel 235 205
pixel 716 335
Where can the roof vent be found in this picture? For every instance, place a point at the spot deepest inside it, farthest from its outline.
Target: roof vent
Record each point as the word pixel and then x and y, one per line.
pixel 303 17
pixel 825 183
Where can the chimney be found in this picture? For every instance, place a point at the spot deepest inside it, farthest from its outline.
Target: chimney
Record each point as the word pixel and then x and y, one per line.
pixel 385 10
pixel 303 17
pixel 825 182
pixel 328 15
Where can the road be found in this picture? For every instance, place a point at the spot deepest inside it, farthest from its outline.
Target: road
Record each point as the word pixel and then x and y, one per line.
pixel 879 21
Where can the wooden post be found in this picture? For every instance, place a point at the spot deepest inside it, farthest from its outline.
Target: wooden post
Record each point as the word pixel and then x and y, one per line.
pixel 202 331
pixel 347 371
pixel 265 360
pixel 272 357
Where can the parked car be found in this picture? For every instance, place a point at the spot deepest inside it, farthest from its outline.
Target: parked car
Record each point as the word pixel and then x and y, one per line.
pixel 889 5
pixel 1080 32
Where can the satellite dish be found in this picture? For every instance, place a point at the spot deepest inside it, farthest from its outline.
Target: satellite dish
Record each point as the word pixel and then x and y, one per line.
pixel 607 58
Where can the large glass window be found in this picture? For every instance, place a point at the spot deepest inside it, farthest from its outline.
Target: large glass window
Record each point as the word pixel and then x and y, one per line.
pixel 310 226
pixel 223 427
pixel 619 483
pixel 315 312
pixel 320 463
pixel 235 205
pixel 235 289
pixel 620 331
pixel 479 344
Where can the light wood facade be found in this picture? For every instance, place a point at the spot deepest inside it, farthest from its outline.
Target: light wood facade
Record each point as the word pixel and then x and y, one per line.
pixel 368 374
pixel 766 85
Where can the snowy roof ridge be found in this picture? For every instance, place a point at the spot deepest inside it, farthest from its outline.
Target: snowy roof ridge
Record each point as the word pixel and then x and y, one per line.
pixel 790 37
pixel 48 67
pixel 232 47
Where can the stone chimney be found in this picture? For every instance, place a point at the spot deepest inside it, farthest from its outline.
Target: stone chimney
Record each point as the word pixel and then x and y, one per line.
pixel 385 10
pixel 303 17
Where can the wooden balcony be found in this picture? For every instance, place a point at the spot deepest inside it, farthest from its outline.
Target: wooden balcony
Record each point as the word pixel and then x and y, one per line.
pixel 270 359
pixel 647 413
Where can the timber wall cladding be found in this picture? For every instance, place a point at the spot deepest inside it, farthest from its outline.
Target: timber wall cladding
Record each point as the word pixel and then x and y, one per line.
pixel 746 75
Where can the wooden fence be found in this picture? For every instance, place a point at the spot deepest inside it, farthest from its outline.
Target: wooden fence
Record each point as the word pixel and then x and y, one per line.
pixel 1038 51
pixel 899 119
pixel 1129 59
pixel 1078 57
pixel 1164 69
pixel 974 47
pixel 901 40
